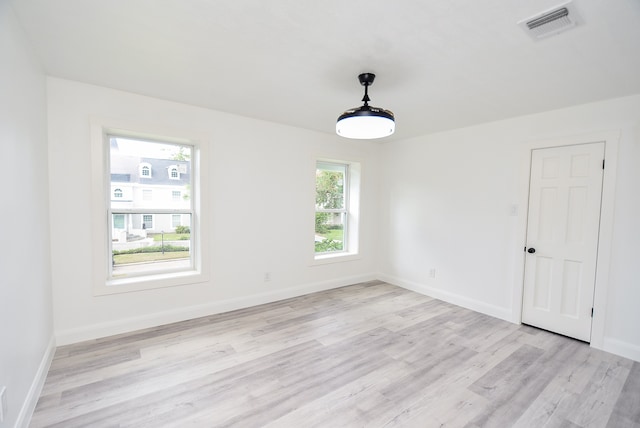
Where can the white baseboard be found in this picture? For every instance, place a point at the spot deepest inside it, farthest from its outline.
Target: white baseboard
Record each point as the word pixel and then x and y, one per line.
pixel 29 404
pixel 456 299
pixel 624 349
pixel 95 331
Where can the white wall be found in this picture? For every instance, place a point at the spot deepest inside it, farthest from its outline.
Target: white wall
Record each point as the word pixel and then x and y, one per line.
pixel 447 200
pixel 261 212
pixel 25 289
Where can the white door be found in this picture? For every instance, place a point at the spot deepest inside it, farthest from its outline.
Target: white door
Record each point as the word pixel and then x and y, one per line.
pixel 565 192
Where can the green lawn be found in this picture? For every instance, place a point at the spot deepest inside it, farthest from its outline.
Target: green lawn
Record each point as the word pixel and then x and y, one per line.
pixel 123 259
pixel 335 234
pixel 157 237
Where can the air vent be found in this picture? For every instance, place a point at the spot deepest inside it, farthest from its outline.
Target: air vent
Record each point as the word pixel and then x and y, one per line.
pixel 550 22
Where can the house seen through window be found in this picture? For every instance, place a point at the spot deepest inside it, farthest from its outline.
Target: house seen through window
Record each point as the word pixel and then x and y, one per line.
pixel 150 232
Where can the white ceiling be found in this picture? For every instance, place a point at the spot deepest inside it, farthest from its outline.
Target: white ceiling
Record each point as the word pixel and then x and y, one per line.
pixel 440 64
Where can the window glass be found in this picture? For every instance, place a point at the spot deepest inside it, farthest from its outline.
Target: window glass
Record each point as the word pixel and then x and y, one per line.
pixel 147 221
pixel 176 220
pixel 148 236
pixel 331 207
pixel 118 221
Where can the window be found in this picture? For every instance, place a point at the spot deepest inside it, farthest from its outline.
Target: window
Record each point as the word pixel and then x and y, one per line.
pixel 118 221
pixel 337 211
pixel 117 193
pixel 174 174
pixel 145 170
pixel 176 220
pixel 147 221
pixel 124 256
pixel 332 196
pixel 142 242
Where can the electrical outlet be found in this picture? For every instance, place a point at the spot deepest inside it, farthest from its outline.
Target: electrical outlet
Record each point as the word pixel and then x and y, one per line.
pixel 3 403
pixel 432 273
pixel 267 276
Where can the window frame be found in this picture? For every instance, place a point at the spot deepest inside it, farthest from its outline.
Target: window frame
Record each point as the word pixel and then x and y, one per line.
pixel 147 215
pixel 103 284
pixel 344 211
pixel 352 190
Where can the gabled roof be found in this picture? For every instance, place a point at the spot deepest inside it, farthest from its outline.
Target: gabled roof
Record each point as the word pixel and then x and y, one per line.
pixel 127 170
pixel 160 172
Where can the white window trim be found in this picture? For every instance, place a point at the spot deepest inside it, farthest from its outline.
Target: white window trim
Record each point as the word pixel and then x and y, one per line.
pixel 101 198
pixel 354 180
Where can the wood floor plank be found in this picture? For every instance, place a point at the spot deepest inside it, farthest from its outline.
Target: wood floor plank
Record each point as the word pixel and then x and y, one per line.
pixel 448 401
pixel 512 398
pixel 601 394
pixel 552 406
pixel 357 402
pixel 366 355
pixel 626 411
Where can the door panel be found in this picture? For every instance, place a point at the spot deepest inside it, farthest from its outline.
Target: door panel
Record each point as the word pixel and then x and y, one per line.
pixel 543 283
pixel 563 225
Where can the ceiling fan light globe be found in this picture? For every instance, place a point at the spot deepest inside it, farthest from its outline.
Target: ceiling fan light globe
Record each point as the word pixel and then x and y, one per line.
pixel 366 123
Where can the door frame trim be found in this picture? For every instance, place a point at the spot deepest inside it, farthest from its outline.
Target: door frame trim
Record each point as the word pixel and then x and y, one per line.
pixel 605 235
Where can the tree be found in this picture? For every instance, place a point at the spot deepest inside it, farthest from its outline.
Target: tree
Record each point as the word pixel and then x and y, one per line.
pixel 187 190
pixel 329 195
pixel 327 245
pixel 329 189
pixel 181 155
pixel 321 222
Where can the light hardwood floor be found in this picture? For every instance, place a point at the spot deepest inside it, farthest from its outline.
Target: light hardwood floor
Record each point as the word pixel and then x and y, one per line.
pixel 367 355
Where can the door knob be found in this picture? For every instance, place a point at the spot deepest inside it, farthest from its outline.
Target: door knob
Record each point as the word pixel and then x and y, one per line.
pixel 531 250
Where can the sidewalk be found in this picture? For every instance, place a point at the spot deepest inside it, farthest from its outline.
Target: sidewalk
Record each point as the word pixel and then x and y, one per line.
pixel 136 268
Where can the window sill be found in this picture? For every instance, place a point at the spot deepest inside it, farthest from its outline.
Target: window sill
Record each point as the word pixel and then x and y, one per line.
pixel 335 258
pixel 149 282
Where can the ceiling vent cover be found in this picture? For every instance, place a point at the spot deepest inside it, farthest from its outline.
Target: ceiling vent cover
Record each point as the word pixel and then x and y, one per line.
pixel 550 22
